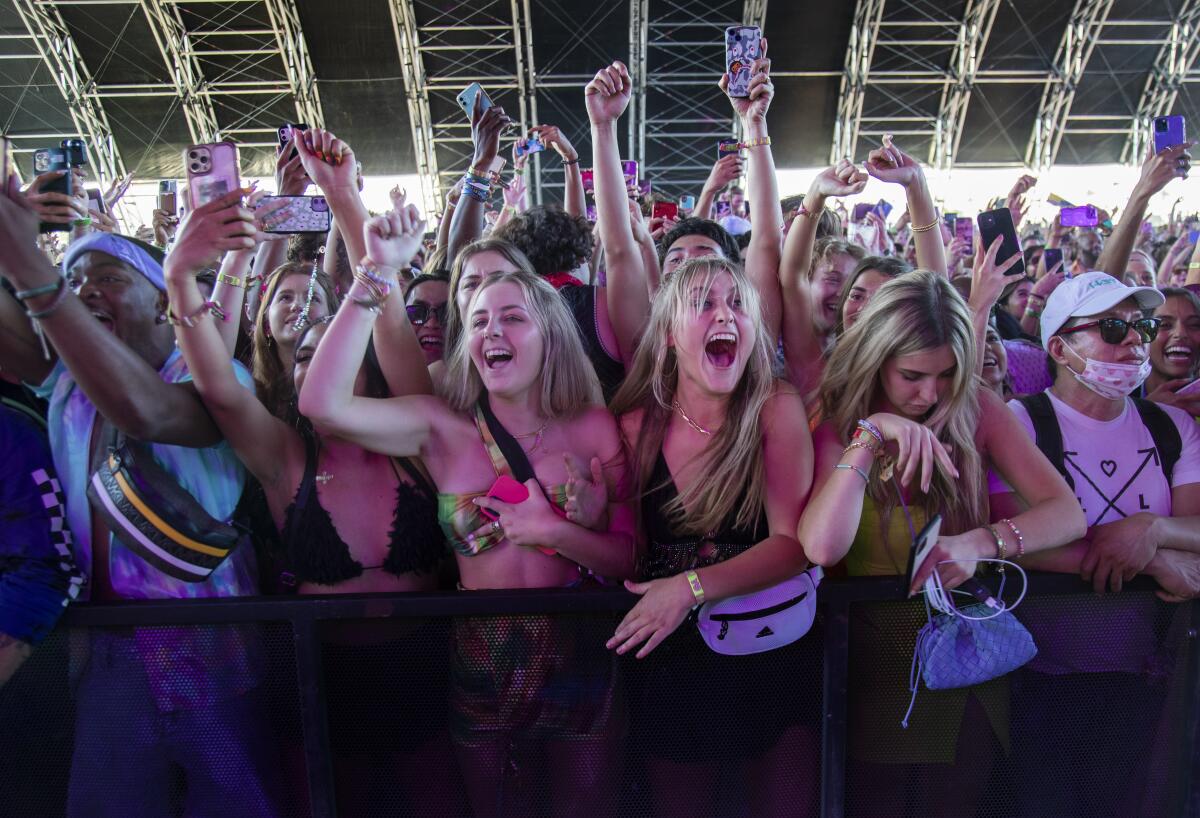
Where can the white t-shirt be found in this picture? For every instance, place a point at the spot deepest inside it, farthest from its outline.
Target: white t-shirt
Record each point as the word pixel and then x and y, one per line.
pixel 1114 464
pixel 1117 473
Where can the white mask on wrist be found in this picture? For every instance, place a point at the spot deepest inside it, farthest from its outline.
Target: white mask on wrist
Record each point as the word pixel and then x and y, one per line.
pixel 1110 381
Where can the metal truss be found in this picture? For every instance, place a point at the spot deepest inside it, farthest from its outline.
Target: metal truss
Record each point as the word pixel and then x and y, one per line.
pixel 1175 59
pixel 443 49
pixel 964 66
pixel 57 49
pixel 1078 41
pixel 864 35
pixel 239 67
pixel 188 77
pixel 677 52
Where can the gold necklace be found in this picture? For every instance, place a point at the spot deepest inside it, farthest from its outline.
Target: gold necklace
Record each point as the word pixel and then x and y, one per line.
pixel 690 422
pixel 536 434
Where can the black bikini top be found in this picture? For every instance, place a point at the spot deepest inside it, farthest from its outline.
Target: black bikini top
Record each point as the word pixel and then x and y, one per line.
pixel 670 551
pixel 315 552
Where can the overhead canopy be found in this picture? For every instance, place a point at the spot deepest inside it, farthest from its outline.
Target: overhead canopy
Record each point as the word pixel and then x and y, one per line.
pixel 981 82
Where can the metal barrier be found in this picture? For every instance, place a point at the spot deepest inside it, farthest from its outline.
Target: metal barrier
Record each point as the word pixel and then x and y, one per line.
pixel 843 702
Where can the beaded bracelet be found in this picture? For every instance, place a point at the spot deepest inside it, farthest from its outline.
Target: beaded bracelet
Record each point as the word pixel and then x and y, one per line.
pixel 871 428
pixel 693 580
pixel 1020 540
pixel 574 161
pixel 232 281
pixel 378 288
pixel 762 141
pixel 191 319
pixel 371 271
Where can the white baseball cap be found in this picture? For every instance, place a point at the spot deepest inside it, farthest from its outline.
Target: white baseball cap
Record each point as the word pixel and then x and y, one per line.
pixel 1090 294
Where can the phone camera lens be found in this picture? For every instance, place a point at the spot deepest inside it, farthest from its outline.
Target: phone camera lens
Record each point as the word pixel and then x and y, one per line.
pixel 1160 125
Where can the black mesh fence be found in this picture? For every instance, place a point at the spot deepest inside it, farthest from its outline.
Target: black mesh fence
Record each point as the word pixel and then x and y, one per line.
pixel 510 705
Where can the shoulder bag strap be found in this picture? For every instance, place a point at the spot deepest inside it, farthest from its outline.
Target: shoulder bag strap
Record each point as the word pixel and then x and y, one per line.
pixel 1164 432
pixel 1047 432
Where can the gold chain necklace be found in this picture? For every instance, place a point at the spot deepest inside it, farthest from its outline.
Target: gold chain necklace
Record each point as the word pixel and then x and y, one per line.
pixel 690 422
pixel 536 434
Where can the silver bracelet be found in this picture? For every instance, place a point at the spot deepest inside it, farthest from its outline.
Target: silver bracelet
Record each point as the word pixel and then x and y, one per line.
pixel 861 473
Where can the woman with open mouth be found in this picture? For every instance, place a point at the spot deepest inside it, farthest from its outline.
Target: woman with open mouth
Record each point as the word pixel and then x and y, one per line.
pixel 722 462
pixel 1175 352
pixel 520 396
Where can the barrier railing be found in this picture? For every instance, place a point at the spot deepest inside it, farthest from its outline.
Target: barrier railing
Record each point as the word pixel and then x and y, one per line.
pixel 1170 717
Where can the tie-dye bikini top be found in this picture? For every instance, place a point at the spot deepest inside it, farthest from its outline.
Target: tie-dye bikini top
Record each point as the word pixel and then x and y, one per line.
pixel 467 530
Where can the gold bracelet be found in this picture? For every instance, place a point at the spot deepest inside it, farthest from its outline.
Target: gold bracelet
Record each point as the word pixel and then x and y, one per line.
pixel 1001 548
pixel 232 281
pixel 927 227
pixel 859 444
pixel 755 143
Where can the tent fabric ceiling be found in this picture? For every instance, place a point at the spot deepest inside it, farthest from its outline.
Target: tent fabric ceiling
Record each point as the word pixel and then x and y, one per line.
pixel 360 79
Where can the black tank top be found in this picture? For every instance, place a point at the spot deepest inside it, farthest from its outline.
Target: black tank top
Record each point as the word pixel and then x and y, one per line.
pixel 610 371
pixel 315 552
pixel 671 552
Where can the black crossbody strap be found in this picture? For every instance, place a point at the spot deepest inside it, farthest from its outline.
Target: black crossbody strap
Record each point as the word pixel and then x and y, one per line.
pixel 514 456
pixel 1047 432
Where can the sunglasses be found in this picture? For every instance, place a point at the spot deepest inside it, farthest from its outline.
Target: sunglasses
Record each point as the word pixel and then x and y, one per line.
pixel 1114 330
pixel 419 314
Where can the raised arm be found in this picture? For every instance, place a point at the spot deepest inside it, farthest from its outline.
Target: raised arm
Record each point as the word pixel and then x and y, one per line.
pixel 890 164
pixel 261 441
pixel 466 225
pixel 1157 171
pixel 397 426
pixel 987 282
pixel 125 388
pixel 574 200
pixel 802 347
pixel 330 163
pixel 762 189
pixel 396 346
pixel 21 351
pixel 607 96
pixel 725 170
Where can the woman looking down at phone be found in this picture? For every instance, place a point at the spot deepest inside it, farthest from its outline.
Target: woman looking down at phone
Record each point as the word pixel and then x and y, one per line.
pixel 721 457
pixel 518 388
pixel 901 396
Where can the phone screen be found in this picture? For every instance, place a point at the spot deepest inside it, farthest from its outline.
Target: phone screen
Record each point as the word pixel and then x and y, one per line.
pixel 589 179
pixel 925 540
pixel 1052 256
pixel 964 229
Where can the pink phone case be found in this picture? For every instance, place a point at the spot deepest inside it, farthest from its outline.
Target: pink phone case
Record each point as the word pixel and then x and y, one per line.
pixel 212 172
pixel 507 490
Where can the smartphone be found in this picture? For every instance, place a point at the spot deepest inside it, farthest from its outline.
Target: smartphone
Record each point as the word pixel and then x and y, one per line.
pixel 1193 235
pixel 998 222
pixel 1052 256
pixel 664 210
pixel 167 198
pixel 44 161
pixel 629 169
pixel 466 99
pixel 96 200
pixel 1189 389
pixel 591 213
pixel 861 210
pixel 212 171
pixel 530 145
pixel 506 489
pixel 742 47
pixel 728 146
pixel 1082 216
pixel 645 189
pixel 76 152
pixel 286 132
pixel 883 209
pixel 951 221
pixel 724 209
pixel 1169 131
pixel 924 542
pixel 305 214
pixel 589 180
pixel 687 203
pixel 964 228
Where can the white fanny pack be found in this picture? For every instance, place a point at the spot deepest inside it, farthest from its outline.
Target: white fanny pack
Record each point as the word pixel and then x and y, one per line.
pixel 768 619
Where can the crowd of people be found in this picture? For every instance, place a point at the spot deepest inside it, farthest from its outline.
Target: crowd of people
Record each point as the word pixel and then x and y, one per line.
pixel 699 407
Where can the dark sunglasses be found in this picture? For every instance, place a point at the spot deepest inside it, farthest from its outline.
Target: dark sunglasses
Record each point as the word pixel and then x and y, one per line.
pixel 419 314
pixel 1114 330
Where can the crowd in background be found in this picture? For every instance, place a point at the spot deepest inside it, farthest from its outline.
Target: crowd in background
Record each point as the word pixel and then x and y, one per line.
pixel 699 402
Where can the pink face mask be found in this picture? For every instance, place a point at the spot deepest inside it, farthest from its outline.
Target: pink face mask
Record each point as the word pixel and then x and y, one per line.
pixel 1111 381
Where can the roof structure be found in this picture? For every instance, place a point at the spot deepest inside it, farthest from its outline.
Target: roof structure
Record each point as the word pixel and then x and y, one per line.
pixel 960 83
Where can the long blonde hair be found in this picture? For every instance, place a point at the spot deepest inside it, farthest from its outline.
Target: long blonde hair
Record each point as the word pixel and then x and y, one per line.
pixel 914 312
pixel 733 459
pixel 568 380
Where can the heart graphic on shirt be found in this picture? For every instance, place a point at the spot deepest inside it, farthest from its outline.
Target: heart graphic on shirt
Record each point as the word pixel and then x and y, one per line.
pixel 1109 467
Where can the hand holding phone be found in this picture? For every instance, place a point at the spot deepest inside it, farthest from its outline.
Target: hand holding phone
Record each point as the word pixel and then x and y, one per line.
pixel 212 171
pixel 1082 216
pixel 506 489
pixel 466 99
pixel 1192 388
pixel 742 48
pixel 1051 257
pixel 999 223
pixel 664 210
pixel 1169 131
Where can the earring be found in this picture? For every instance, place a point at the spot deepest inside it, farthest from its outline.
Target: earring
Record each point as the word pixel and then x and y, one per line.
pixel 161 318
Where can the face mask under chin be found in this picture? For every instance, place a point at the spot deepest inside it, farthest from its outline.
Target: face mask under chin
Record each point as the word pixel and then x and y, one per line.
pixel 1111 381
